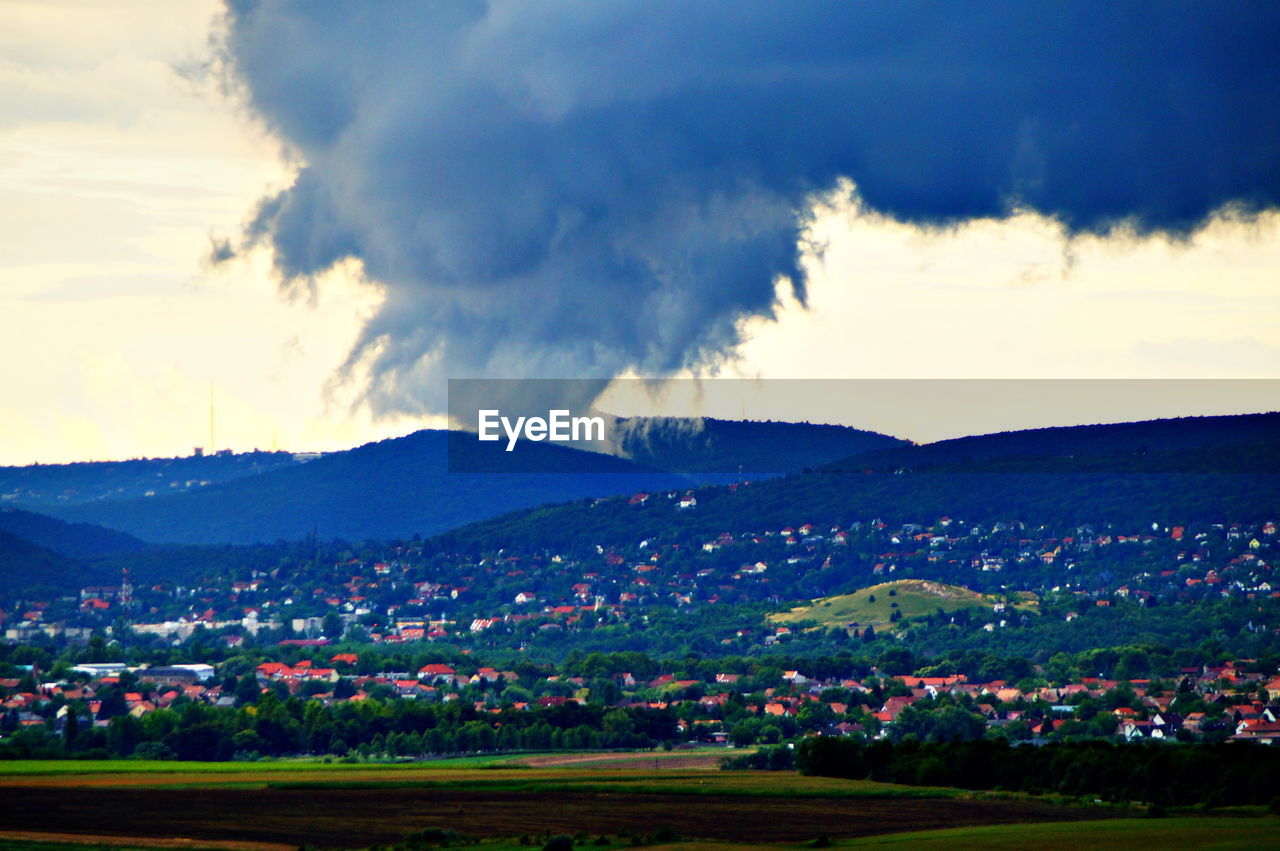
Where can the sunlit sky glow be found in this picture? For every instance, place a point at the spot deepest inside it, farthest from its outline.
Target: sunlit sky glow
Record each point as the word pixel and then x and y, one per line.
pixel 120 162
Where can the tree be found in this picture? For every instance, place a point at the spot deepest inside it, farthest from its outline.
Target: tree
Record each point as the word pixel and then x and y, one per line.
pixel 814 715
pixel 203 741
pixel 71 727
pixel 605 691
pixel 247 690
pixel 745 732
pixel 1103 724
pixel 331 625
pixel 154 750
pixel 618 723
pixel 896 661
pixel 247 741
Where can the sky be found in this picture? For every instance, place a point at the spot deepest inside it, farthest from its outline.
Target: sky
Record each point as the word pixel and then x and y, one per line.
pixel 309 216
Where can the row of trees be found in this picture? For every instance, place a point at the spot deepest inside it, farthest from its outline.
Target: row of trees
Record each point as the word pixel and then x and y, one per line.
pixel 601 672
pixel 1160 774
pixel 371 728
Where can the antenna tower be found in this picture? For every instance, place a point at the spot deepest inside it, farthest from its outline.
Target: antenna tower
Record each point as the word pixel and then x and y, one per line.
pixel 126 590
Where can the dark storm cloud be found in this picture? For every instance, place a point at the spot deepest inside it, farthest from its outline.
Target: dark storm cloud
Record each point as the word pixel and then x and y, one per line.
pixel 575 188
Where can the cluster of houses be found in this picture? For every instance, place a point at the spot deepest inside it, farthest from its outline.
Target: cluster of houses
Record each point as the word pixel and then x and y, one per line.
pixel 406 594
pixel 165 686
pixel 1235 700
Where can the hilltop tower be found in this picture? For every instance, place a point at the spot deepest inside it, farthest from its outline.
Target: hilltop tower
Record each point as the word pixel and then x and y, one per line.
pixel 126 591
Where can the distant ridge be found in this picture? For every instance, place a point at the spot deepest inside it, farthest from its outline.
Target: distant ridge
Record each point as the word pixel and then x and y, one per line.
pixel 39 485
pixel 1137 446
pixel 401 487
pixel 1206 469
pixel 40 572
pixel 708 445
pixel 71 539
pixel 390 489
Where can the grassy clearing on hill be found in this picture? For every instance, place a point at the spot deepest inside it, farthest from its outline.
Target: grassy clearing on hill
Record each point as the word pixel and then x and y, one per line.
pixel 914 598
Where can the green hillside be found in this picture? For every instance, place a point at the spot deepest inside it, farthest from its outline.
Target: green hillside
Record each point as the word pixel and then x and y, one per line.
pixel 394 488
pixel 758 448
pixel 77 540
pixel 37 486
pixel 1203 445
pixel 874 606
pixel 40 572
pixel 1165 471
pixel 431 481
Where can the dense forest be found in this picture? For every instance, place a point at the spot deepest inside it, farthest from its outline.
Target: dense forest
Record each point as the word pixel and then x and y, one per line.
pixel 1207 470
pixel 1211 775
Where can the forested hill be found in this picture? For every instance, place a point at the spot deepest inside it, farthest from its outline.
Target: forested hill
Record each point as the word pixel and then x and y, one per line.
pixel 390 489
pixel 1243 443
pixel 38 571
pixel 758 447
pixel 411 485
pixel 38 485
pixel 71 539
pixel 1234 480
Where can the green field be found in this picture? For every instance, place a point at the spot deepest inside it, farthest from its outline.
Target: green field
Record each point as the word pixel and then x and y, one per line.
pixel 1198 832
pixel 274 806
pixel 291 804
pixel 483 774
pixel 21 767
pixel 914 598
pixel 1120 834
pixel 1224 832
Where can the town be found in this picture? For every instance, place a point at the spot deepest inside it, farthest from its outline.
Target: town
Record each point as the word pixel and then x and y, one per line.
pixel 396 592
pixel 318 704
pixel 332 628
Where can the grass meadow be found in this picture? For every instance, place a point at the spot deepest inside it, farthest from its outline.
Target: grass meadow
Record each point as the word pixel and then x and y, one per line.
pixel 609 800
pixel 874 606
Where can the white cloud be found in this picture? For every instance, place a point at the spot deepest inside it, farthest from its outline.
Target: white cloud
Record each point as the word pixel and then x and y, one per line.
pixel 111 329
pixel 1013 298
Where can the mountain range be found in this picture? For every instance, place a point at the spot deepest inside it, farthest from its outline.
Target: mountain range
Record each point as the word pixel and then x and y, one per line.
pixel 1206 469
pixel 1198 469
pixel 409 486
